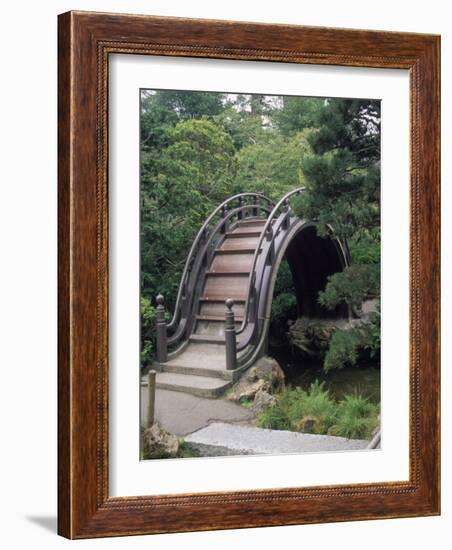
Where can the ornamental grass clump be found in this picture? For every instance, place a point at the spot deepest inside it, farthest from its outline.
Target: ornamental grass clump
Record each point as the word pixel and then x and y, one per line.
pixel 357 418
pixel 314 411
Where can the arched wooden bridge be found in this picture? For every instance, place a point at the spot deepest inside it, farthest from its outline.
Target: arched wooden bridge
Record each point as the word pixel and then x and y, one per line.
pixel 222 314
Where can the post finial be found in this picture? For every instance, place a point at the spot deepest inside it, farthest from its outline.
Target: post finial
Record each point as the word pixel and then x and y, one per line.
pixel 160 299
pixel 229 303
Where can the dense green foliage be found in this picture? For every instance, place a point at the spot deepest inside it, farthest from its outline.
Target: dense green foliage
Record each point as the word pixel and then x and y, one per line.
pixel 284 305
pixel 353 417
pixel 342 178
pixel 198 148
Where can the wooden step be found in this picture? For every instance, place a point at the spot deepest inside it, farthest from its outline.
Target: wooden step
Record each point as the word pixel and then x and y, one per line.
pixel 207 338
pixel 217 318
pixel 252 223
pixel 225 286
pixel 221 296
pixel 234 251
pixel 241 232
pixel 227 273
pixel 218 309
pixel 232 262
pixel 242 243
pixel 219 300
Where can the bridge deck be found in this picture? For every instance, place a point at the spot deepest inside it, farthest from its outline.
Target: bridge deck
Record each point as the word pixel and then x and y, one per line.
pixel 200 369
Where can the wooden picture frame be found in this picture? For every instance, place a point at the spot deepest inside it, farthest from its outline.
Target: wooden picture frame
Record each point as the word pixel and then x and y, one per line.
pixel 86 40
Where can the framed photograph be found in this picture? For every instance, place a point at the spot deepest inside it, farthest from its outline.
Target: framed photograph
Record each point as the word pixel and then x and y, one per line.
pixel 248 275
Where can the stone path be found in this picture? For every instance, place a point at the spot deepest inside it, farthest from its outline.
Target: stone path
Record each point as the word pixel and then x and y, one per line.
pixel 220 439
pixel 180 413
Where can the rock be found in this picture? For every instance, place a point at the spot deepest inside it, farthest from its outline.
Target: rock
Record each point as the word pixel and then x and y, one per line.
pixel 262 400
pixel 265 376
pixel 311 336
pixel 306 425
pixel 269 370
pixel 248 391
pixel 369 308
pixel 158 443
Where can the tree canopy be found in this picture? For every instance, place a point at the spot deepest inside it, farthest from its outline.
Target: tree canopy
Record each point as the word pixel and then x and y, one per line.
pixel 198 148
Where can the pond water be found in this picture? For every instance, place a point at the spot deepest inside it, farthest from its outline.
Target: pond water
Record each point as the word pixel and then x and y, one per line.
pixel 363 380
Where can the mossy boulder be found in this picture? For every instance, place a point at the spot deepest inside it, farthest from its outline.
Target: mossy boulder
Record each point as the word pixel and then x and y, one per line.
pixel 265 376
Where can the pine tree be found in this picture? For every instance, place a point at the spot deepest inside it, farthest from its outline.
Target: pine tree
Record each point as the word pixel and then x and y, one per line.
pixel 342 179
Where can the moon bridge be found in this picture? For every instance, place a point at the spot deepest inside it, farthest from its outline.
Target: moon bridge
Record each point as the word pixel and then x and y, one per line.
pixel 222 313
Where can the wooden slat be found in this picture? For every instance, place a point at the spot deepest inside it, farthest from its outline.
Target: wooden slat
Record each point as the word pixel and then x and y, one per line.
pixel 232 251
pixel 218 309
pixel 244 243
pixel 251 223
pixel 226 273
pixel 233 262
pixel 215 318
pixel 226 286
pixel 245 231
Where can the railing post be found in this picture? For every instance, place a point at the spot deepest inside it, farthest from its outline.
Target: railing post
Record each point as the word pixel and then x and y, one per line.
pixel 230 336
pixel 285 209
pixel 255 210
pixel 224 213
pixel 151 398
pixel 271 255
pixel 162 344
pixel 240 214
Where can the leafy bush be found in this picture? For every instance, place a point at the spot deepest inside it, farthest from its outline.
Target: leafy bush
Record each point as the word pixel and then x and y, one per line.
pixel 356 418
pixel 148 317
pixel 275 418
pixel 284 305
pixel 353 417
pixel 365 247
pixel 315 403
pixel 351 286
pixel 346 346
pixel 343 350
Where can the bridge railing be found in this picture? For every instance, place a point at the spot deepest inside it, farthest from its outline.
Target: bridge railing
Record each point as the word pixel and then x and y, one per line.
pixel 239 206
pixel 203 259
pixel 278 219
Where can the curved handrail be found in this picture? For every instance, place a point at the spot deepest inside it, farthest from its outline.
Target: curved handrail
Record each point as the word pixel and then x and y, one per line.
pixel 194 248
pixel 267 226
pixel 208 242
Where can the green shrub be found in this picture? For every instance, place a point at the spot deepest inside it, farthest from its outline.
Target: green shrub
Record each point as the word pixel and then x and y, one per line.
pixel 346 346
pixel 148 318
pixel 275 418
pixel 284 305
pixel 315 403
pixel 351 286
pixel 365 247
pixel 353 417
pixel 356 418
pixel 343 350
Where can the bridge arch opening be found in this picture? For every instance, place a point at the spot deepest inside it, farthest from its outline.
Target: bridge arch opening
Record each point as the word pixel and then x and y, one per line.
pixel 312 259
